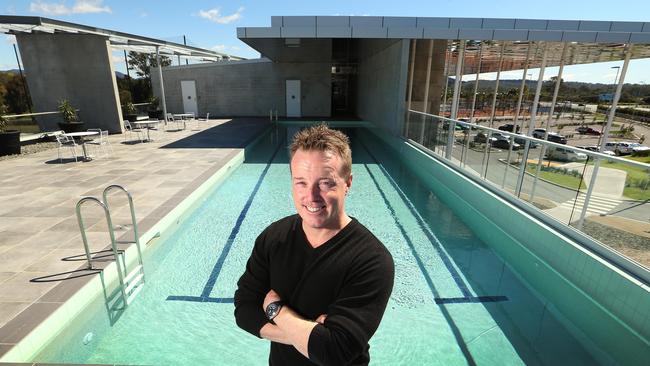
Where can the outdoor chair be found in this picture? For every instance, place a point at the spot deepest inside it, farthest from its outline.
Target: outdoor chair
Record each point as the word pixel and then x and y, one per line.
pixel 102 141
pixel 138 131
pixel 171 119
pixel 199 120
pixel 66 142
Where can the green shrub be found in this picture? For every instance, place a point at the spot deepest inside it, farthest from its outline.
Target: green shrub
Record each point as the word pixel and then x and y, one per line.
pixel 68 112
pixel 3 119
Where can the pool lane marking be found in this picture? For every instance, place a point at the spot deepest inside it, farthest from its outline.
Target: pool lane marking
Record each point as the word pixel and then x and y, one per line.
pixel 437 245
pixel 445 312
pixel 212 280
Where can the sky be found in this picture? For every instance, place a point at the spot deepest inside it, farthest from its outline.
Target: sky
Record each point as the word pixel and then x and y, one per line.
pixel 213 24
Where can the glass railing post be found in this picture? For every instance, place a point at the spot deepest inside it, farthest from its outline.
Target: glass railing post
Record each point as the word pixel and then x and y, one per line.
pixel 450 139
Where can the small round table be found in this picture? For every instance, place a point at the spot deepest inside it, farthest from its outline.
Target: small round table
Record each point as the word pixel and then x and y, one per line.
pixel 82 138
pixel 148 124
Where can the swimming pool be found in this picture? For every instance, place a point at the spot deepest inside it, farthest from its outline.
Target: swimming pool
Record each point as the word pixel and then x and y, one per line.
pixel 454 301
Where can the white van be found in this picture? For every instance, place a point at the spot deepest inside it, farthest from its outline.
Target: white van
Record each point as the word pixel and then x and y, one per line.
pixel 562 154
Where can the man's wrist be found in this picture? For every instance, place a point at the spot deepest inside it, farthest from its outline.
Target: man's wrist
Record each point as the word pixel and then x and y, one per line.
pixel 273 309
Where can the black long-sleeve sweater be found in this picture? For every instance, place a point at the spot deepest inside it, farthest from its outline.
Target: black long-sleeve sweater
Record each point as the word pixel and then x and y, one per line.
pixel 349 278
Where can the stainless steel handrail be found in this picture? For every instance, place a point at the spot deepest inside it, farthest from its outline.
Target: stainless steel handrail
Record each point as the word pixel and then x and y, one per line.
pixel 133 219
pixel 109 222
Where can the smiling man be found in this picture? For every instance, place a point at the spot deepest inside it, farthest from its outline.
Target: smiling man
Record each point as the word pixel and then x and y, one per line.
pixel 317 283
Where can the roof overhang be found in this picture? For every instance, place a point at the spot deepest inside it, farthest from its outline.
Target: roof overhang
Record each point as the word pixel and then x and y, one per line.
pixel 587 41
pixel 13 24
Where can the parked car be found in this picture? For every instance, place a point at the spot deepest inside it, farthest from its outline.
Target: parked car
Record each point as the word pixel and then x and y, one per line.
pixel 625 147
pixel 509 127
pixel 552 136
pixel 595 148
pixel 539 133
pixel 504 143
pixel 521 141
pixel 637 147
pixel 564 154
pixel 556 137
pixel 584 130
pixel 481 138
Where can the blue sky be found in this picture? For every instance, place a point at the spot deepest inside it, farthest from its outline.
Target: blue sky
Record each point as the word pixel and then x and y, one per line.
pixel 212 24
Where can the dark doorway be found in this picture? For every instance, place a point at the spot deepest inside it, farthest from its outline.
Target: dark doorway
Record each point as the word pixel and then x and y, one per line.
pixel 344 72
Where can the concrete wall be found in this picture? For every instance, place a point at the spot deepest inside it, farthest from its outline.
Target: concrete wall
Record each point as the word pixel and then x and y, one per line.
pixel 381 83
pixel 73 67
pixel 248 88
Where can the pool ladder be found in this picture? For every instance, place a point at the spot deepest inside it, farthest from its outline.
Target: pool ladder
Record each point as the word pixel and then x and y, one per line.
pixel 132 282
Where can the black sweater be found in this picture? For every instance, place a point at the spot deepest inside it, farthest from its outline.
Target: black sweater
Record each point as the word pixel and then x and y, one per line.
pixel 349 278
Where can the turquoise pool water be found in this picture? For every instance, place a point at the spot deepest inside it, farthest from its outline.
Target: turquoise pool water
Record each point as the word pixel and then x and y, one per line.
pixel 455 302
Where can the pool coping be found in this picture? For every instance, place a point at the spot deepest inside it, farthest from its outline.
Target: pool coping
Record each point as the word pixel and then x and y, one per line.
pixel 31 330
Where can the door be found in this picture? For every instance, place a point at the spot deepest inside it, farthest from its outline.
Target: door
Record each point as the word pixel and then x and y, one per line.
pixel 293 98
pixel 188 89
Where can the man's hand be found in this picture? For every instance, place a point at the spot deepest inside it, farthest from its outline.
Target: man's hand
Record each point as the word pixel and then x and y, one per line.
pixel 271 296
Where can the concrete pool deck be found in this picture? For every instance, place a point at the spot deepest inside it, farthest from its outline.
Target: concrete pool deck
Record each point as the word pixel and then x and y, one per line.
pixel 41 251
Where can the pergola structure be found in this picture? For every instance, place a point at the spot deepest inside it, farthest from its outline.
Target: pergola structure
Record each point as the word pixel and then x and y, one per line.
pixel 440 48
pixel 53 50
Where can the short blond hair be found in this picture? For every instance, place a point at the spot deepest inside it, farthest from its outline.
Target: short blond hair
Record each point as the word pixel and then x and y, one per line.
pixel 322 138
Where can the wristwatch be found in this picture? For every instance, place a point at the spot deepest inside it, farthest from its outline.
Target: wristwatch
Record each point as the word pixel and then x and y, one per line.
pixel 273 309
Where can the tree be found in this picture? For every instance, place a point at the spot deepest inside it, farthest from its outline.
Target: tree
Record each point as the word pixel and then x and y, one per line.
pixel 142 62
pixel 12 92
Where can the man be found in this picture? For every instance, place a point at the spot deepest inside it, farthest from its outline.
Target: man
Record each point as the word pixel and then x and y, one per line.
pixel 317 283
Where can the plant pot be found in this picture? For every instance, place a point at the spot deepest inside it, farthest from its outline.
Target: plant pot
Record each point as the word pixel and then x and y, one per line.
pixel 68 127
pixel 9 142
pixel 156 114
pixel 131 117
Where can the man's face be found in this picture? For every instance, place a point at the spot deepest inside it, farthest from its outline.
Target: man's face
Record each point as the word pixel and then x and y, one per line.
pixel 318 188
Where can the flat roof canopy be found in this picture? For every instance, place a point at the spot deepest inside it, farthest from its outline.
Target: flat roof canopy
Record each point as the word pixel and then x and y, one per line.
pixel 11 24
pixel 588 41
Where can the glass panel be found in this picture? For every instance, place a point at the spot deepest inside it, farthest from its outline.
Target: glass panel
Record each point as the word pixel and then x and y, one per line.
pixel 554 177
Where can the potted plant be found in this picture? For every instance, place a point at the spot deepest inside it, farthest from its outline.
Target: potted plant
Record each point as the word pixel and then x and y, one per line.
pixel 130 112
pixel 9 139
pixel 153 111
pixel 71 121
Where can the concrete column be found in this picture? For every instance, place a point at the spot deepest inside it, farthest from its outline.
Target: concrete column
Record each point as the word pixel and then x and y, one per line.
pixel 76 67
pixel 427 79
pixel 414 44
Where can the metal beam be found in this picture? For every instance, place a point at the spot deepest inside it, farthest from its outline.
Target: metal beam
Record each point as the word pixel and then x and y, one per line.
pixel 531 124
pixel 454 101
pixel 610 119
pixel 548 122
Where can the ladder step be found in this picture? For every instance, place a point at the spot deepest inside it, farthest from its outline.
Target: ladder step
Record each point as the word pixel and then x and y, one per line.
pixel 131 296
pixel 133 284
pixel 133 273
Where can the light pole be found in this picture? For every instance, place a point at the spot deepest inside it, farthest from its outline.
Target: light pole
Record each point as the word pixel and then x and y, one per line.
pixel 526 98
pixel 618 68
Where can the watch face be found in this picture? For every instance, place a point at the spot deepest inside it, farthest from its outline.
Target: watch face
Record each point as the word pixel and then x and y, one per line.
pixel 272 310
